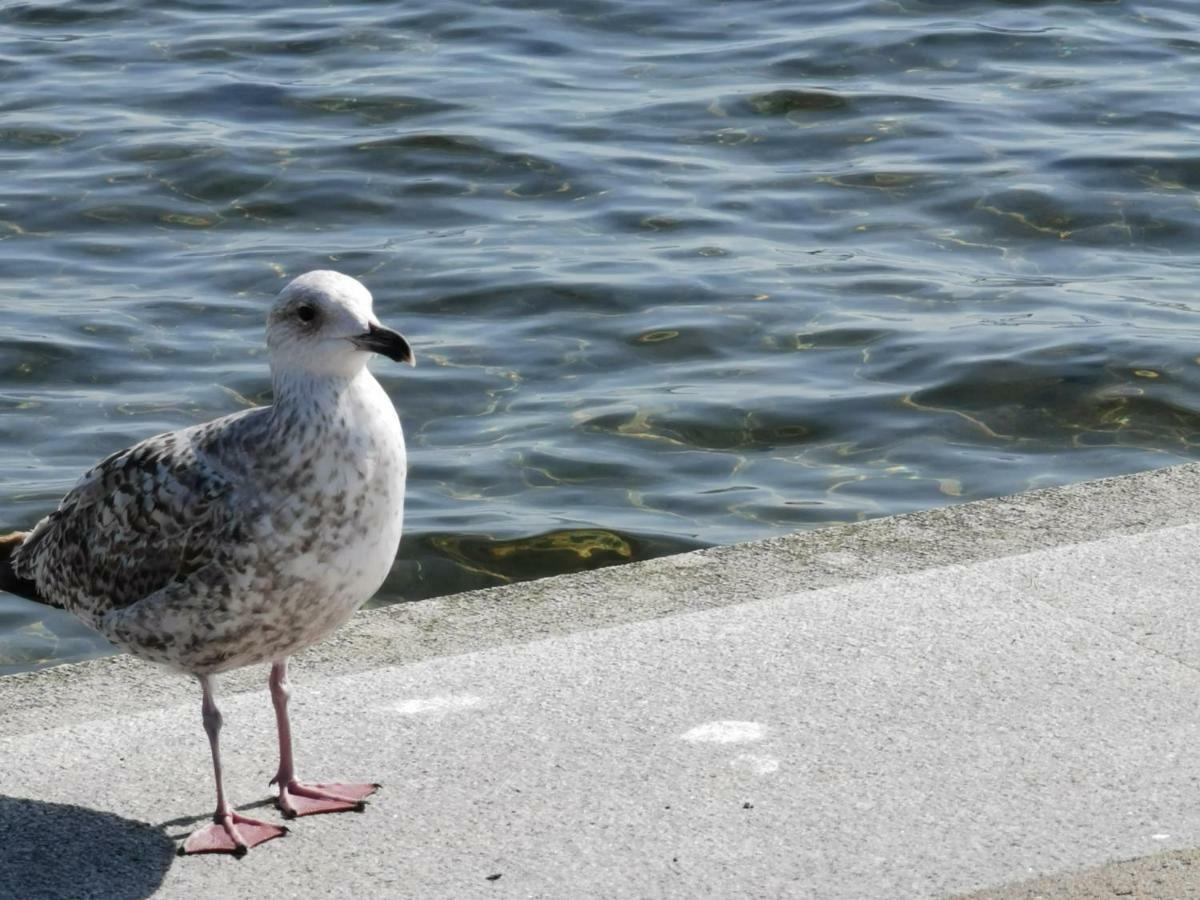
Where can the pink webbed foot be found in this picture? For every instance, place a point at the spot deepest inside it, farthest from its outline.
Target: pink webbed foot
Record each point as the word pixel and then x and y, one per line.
pixel 230 833
pixel 296 799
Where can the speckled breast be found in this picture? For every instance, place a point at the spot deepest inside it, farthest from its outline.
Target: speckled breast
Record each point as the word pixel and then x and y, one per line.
pixel 339 535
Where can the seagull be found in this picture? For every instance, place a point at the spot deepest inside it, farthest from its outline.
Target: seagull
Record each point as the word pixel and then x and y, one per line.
pixel 245 539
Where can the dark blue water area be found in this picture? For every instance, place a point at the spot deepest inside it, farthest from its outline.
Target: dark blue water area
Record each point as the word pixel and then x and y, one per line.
pixel 676 275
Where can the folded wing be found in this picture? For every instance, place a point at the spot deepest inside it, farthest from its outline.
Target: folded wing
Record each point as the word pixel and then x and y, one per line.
pixel 135 523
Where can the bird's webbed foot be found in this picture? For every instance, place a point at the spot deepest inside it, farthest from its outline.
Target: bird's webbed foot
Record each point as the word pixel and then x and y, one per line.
pixel 230 832
pixel 297 799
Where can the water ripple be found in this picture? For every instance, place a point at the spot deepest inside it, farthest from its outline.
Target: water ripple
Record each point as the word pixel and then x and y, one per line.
pixel 676 275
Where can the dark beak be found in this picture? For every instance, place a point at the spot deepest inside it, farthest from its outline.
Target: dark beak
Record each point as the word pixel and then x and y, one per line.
pixel 383 340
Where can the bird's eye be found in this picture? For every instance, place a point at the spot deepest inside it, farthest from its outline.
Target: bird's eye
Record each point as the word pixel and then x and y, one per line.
pixel 306 313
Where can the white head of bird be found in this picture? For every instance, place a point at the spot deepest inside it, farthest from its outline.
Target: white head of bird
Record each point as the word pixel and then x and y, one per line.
pixel 323 324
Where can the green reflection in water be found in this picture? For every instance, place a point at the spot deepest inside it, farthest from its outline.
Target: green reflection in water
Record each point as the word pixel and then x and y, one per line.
pixel 569 550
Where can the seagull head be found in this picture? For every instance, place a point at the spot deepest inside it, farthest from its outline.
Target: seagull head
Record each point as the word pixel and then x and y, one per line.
pixel 322 323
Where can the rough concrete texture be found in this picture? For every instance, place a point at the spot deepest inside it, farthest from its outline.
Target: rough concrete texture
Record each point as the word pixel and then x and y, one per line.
pixel 927 706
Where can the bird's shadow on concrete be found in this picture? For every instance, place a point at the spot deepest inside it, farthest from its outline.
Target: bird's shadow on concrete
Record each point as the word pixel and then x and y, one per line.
pixel 53 850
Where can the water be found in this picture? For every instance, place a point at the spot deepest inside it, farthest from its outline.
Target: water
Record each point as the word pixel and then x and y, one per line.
pixel 676 274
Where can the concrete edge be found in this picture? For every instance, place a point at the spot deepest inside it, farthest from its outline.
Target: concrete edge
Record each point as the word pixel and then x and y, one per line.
pixel 702 579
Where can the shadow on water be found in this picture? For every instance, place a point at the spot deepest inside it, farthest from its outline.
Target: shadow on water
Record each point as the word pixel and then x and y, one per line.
pixel 53 850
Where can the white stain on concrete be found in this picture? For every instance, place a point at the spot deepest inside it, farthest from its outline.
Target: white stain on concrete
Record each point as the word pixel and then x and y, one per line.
pixel 755 765
pixel 416 705
pixel 726 732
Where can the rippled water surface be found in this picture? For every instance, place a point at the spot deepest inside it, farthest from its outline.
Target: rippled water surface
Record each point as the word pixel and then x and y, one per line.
pixel 677 274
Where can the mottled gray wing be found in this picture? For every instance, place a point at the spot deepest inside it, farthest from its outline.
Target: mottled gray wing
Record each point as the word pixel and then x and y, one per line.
pixel 133 524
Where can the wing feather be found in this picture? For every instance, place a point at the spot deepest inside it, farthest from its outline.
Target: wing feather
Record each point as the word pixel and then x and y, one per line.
pixel 136 522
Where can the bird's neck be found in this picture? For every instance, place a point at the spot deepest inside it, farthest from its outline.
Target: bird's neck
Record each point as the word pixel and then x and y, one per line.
pixel 305 397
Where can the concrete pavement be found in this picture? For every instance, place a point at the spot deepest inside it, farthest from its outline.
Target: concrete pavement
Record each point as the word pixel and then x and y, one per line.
pixel 956 702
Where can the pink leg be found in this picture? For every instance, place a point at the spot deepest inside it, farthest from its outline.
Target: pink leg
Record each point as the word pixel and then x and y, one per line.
pixel 229 832
pixel 295 798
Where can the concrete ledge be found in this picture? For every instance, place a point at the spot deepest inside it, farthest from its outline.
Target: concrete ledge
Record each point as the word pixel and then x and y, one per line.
pixel 703 579
pixel 930 705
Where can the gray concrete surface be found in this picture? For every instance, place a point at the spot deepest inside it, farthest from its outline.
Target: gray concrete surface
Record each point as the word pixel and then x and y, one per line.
pixel 958 701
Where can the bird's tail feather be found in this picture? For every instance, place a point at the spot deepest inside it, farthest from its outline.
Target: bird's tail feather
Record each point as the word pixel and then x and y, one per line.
pixel 9 580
